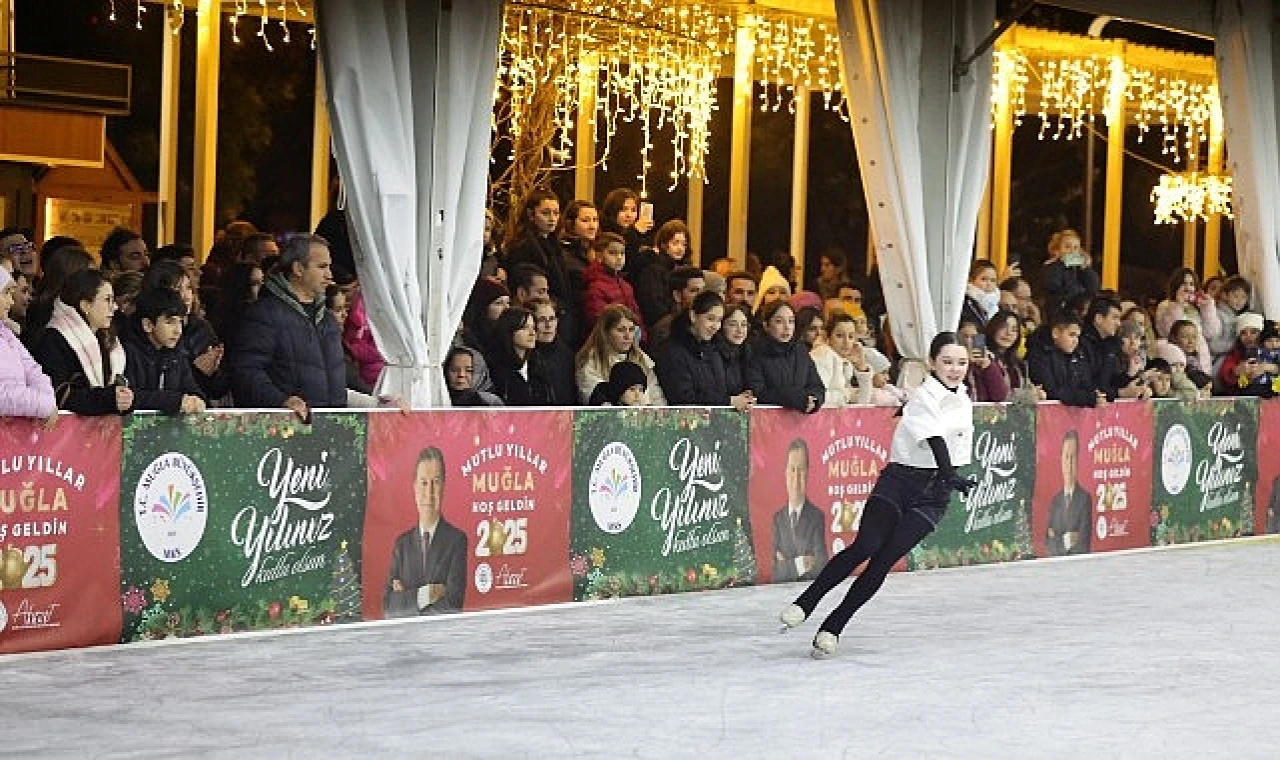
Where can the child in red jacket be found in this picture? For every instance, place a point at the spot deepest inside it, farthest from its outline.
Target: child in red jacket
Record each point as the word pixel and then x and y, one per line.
pixel 604 280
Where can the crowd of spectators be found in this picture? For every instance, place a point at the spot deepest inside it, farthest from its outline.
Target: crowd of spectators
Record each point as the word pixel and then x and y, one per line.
pixel 589 307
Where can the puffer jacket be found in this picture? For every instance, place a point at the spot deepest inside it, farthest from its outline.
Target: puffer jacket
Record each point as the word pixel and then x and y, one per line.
pixel 25 390
pixel 784 374
pixel 285 348
pixel 691 371
pixel 159 377
pixel 605 288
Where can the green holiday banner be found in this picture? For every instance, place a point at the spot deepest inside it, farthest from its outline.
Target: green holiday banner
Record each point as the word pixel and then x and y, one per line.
pixel 233 522
pixel 660 502
pixel 993 523
pixel 1205 470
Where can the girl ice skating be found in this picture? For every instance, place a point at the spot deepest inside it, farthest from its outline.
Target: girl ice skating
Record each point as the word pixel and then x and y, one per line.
pixel 934 436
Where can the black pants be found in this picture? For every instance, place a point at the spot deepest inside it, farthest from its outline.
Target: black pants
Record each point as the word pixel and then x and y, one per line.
pixel 899 513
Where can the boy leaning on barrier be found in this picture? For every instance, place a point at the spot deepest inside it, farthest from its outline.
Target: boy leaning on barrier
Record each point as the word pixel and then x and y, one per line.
pixel 157 370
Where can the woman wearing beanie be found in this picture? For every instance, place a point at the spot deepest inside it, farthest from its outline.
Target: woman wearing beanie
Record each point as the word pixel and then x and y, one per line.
pixel 1183 387
pixel 1234 365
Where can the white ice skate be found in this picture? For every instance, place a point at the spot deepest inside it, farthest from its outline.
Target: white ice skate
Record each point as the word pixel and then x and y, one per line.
pixel 791 617
pixel 824 645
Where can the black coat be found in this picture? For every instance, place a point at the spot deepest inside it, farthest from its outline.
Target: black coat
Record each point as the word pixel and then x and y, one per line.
pixel 1061 283
pixel 651 278
pixel 554 363
pixel 285 348
pixel 70 384
pixel 784 374
pixel 691 372
pixel 546 254
pixel 735 359
pixel 159 377
pixel 197 337
pixel 1106 358
pixel 513 388
pixel 1065 377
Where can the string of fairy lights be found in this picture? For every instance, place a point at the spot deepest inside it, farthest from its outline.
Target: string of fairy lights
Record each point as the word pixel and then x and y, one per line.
pixel 655 63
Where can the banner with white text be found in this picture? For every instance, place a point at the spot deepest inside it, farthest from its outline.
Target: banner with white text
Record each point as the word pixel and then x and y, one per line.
pixel 810 478
pixel 468 510
pixel 993 523
pixel 59 561
pixel 1093 478
pixel 236 522
pixel 660 502
pixel 1205 470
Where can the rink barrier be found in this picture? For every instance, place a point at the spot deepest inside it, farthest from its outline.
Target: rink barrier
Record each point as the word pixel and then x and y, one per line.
pixel 149 527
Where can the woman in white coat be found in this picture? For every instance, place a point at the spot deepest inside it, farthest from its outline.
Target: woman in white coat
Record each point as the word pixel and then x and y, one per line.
pixel 25 390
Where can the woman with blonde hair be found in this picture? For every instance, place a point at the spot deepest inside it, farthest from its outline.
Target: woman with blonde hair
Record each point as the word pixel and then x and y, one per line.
pixel 1068 272
pixel 613 339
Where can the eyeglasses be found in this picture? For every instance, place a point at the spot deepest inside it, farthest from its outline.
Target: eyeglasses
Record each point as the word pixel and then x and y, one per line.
pixel 546 320
pixel 25 246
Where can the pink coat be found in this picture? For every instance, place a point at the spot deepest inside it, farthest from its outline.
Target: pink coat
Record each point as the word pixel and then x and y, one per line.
pixel 357 336
pixel 605 288
pixel 25 390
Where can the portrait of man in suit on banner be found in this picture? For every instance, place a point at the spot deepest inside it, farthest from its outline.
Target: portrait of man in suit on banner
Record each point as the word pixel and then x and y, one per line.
pixel 428 573
pixel 799 535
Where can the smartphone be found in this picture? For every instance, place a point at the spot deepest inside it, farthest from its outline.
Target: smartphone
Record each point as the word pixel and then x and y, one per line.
pixel 646 212
pixel 1073 260
pixel 978 343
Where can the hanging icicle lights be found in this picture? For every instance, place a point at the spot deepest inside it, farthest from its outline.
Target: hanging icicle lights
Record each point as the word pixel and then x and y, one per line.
pixel 1072 92
pixel 1191 196
pixel 265 12
pixel 657 64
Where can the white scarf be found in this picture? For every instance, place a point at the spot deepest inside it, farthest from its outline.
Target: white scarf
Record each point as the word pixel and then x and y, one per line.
pixel 990 302
pixel 84 343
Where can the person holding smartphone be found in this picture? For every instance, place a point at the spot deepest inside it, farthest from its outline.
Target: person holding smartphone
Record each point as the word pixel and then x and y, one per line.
pixel 984 380
pixel 1068 272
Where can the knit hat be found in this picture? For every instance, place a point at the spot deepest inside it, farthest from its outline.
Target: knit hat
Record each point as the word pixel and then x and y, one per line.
pixel 1249 320
pixel 802 298
pixel 486 291
pixel 771 278
pixel 1170 353
pixel 625 374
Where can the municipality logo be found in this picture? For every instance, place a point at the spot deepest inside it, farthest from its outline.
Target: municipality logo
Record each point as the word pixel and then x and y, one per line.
pixel 171 507
pixel 614 488
pixel 1175 459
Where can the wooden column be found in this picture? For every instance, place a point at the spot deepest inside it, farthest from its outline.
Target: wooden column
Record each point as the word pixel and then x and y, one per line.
pixel 321 138
pixel 584 134
pixel 740 144
pixel 1190 228
pixel 1000 184
pixel 204 183
pixel 1115 172
pixel 800 182
pixel 170 91
pixel 1213 227
pixel 694 220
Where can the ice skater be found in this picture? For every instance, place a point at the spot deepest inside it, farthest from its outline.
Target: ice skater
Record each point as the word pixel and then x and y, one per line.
pixel 934 436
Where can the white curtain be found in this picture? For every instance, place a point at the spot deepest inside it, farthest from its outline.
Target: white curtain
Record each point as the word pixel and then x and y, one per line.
pixel 1246 80
pixel 410 93
pixel 923 150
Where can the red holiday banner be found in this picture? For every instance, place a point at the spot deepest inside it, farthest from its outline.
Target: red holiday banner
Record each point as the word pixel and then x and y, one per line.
pixel 810 478
pixel 1093 478
pixel 1267 498
pixel 500 484
pixel 59 531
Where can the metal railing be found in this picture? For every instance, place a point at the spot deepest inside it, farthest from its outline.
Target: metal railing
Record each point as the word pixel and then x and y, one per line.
pixel 65 83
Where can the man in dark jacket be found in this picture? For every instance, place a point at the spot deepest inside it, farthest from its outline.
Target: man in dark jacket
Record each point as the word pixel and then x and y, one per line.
pixel 1060 367
pixel 158 370
pixel 289 347
pixel 1100 343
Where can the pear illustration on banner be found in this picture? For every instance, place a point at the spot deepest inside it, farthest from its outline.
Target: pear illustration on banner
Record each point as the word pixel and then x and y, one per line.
pixel 12 568
pixel 497 537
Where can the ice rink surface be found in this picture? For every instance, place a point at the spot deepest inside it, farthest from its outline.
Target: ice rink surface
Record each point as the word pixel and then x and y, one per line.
pixel 1164 654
